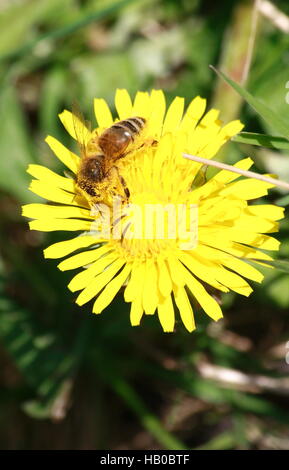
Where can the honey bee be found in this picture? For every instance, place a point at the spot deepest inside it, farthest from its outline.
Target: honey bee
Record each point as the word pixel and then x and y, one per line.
pixel 97 171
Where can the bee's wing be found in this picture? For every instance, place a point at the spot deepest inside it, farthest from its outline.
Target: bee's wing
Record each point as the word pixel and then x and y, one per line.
pixel 82 128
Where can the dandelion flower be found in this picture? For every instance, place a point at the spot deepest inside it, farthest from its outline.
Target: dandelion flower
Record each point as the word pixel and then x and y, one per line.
pixel 159 274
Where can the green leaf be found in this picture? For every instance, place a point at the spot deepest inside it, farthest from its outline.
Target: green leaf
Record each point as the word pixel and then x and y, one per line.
pixel 18 21
pixel 277 290
pixel 210 391
pixel 283 201
pixel 44 368
pixel 117 71
pixel 223 441
pixel 47 366
pixel 54 408
pixel 54 89
pixel 281 265
pixel 148 420
pixel 269 115
pixel 270 87
pixel 262 140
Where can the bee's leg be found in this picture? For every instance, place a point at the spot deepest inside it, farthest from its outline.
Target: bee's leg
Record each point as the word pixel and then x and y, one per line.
pixel 125 188
pixel 122 155
pixel 97 210
pixel 116 178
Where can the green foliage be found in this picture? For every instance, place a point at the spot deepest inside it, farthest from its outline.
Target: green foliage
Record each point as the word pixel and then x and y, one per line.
pixel 262 140
pixel 16 149
pixel 269 115
pixel 38 355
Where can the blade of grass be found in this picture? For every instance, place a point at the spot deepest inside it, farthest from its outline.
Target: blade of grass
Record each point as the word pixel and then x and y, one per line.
pixel 147 419
pixel 209 391
pixel 262 140
pixel 224 441
pixel 261 108
pixel 14 158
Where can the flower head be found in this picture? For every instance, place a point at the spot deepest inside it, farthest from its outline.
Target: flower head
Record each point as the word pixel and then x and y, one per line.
pixel 159 266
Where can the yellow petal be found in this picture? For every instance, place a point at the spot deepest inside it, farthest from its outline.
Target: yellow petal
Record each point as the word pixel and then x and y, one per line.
pixel 174 115
pixel 45 211
pixel 52 194
pixel 268 211
pixel 82 279
pixel 247 189
pixel 158 107
pixel 83 259
pixel 175 271
pixel 136 312
pixel 162 154
pixel 166 314
pixel 209 118
pixel 234 248
pixel 221 275
pixel 220 209
pixel 205 190
pixel 61 249
pixel 206 301
pixel 203 270
pixel 102 113
pixel 110 291
pixel 193 114
pixel 231 129
pixel 135 284
pixel 255 224
pixel 228 131
pixel 243 268
pixel 51 225
pixel 49 177
pixel 75 127
pixel 150 293
pixel 235 264
pixel 164 278
pixel 225 176
pixel 206 131
pixel 243 236
pixel 123 104
pixel 141 105
pixel 70 159
pixel 99 282
pixel 185 308
pixel 233 281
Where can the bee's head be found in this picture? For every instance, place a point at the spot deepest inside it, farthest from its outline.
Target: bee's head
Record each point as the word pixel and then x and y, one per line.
pixel 93 169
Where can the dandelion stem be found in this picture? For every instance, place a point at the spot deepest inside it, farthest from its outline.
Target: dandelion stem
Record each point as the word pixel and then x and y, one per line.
pixel 251 42
pixel 248 174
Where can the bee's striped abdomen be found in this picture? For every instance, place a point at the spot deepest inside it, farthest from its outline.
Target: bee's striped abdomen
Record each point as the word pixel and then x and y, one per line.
pixel 132 125
pixel 115 140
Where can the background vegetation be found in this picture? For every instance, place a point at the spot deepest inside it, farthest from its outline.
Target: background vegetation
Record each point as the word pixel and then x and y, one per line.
pixel 68 379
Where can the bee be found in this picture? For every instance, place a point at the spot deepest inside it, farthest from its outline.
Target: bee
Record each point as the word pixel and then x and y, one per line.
pixel 97 171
